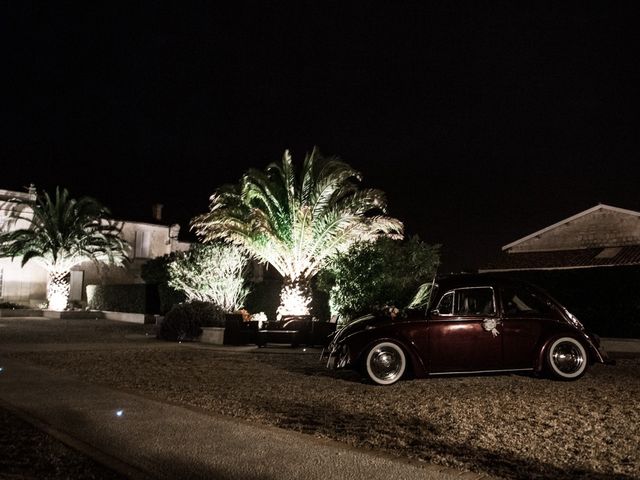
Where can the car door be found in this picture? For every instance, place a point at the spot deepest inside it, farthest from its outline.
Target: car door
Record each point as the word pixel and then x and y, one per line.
pixel 523 312
pixel 464 332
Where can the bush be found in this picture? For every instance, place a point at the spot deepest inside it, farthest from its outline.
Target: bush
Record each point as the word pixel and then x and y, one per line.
pixel 168 297
pixel 213 272
pixel 371 275
pixel 12 306
pixel 155 272
pixel 184 321
pixel 133 298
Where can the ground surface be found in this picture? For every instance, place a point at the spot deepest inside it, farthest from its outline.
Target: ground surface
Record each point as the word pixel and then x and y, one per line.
pixel 509 425
pixel 28 453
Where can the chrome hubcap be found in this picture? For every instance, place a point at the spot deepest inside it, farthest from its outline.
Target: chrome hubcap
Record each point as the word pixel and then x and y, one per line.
pixel 567 357
pixel 385 363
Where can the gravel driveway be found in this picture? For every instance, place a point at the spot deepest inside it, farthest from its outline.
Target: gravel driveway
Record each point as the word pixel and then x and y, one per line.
pixel 514 426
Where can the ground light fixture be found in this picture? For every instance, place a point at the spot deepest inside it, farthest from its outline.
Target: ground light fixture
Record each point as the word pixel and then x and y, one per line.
pixel 119 413
pixel 1 369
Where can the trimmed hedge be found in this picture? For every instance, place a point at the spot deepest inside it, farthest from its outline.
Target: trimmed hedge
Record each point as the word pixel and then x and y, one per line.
pixel 184 321
pixel 131 298
pixel 12 306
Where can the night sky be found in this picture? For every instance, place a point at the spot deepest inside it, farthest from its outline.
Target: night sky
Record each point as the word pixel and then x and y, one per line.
pixel 482 123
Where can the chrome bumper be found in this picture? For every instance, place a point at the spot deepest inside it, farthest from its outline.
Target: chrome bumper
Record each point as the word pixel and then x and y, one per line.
pixel 337 356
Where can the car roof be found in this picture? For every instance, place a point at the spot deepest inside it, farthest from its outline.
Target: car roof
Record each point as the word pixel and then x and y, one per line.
pixel 477 279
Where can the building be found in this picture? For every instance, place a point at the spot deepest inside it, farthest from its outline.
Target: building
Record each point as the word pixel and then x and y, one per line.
pixel 602 236
pixel 19 284
pixel 27 285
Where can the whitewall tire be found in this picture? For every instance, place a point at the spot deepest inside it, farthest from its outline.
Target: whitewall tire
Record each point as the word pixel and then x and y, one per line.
pixel 566 359
pixel 385 363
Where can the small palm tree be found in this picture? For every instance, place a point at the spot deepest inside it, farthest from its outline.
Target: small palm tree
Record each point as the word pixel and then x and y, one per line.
pixel 297 222
pixel 63 232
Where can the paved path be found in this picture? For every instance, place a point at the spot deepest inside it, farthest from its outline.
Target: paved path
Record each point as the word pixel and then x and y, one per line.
pixel 157 440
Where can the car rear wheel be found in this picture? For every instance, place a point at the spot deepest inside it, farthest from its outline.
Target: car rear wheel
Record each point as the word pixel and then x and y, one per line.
pixel 566 359
pixel 385 363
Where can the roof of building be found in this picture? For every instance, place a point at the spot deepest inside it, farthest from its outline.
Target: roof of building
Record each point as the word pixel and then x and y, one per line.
pixel 9 195
pixel 570 219
pixel 566 259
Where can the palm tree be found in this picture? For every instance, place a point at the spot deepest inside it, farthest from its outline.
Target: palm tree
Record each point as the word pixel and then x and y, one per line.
pixel 63 232
pixel 297 222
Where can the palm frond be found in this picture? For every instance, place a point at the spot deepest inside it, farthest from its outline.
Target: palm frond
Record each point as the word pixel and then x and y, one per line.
pixel 297 223
pixel 64 232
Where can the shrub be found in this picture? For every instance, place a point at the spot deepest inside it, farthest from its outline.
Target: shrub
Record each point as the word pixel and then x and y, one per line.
pixel 133 298
pixel 155 272
pixel 213 273
pixel 168 297
pixel 12 306
pixel 184 321
pixel 371 275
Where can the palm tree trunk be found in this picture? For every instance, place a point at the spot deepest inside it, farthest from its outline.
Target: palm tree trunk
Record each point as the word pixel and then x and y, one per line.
pixel 295 297
pixel 58 290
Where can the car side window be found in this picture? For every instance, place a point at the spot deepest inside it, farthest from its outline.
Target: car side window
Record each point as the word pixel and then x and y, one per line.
pixel 445 306
pixel 474 301
pixel 521 301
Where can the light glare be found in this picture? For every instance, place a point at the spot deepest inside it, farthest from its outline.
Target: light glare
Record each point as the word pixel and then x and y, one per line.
pixel 293 301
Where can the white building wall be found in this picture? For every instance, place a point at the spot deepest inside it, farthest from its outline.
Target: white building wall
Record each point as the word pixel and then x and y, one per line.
pixel 22 284
pixel 29 284
pixel 155 241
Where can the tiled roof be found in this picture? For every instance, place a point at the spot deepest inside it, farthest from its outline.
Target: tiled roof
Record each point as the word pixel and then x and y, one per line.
pixel 600 206
pixel 588 257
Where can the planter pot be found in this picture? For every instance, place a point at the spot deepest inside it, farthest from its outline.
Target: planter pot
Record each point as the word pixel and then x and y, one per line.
pixel 212 335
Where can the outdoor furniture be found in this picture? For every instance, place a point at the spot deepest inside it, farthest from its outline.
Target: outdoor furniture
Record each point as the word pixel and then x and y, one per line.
pixel 296 330
pixel 239 332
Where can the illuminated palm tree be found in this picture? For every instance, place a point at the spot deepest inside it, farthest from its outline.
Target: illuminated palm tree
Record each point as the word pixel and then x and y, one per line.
pixel 297 222
pixel 63 232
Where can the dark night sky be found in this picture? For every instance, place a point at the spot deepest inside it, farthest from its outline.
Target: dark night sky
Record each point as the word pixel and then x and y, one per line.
pixel 482 123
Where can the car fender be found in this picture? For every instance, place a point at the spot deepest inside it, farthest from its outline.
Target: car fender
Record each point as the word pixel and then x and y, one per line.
pixel 359 343
pixel 592 352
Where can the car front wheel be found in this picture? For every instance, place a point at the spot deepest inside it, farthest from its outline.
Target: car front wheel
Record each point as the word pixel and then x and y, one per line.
pixel 385 363
pixel 566 359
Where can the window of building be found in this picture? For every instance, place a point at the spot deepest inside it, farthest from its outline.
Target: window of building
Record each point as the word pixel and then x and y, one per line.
pixel 143 244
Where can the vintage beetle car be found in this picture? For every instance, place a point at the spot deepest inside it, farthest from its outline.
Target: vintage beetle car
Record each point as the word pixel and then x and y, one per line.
pixel 473 324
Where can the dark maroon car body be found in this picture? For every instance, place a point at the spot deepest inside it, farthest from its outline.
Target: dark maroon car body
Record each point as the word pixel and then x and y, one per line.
pixel 473 323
